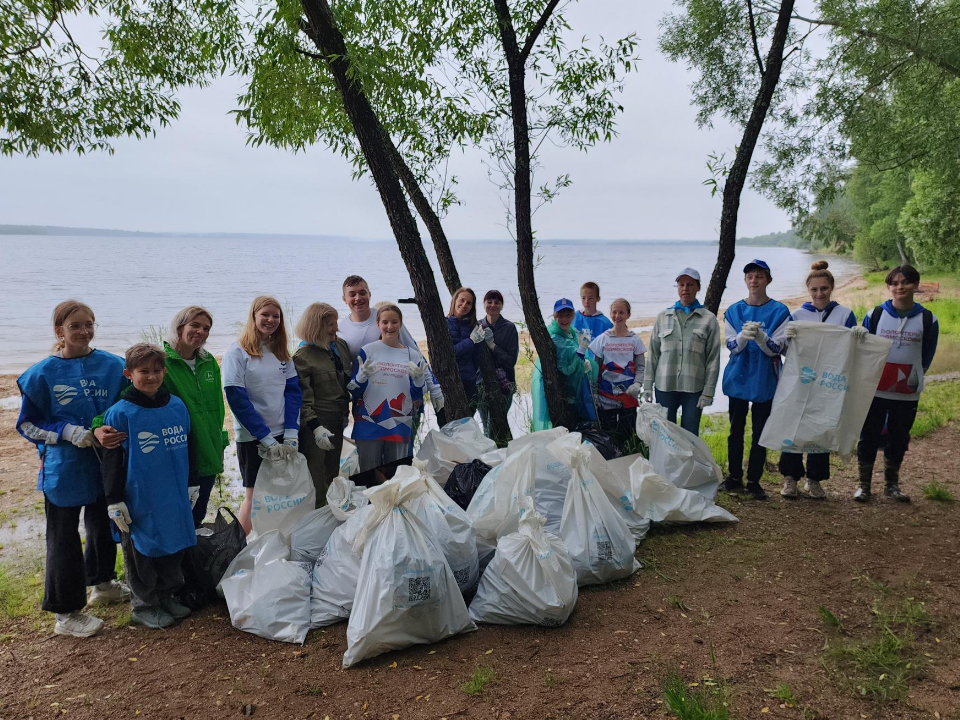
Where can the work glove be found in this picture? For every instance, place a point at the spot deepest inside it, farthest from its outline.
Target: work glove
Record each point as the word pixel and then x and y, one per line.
pixel 760 337
pixel 704 401
pixel 477 335
pixel 586 366
pixel 271 449
pixel 746 334
pixel 79 436
pixel 120 515
pixel 648 397
pixel 437 403
pixel 791 332
pixel 193 492
pixel 290 447
pixel 583 339
pixel 322 437
pixel 488 337
pixel 416 371
pixel 635 390
pixel 367 369
pixel 859 332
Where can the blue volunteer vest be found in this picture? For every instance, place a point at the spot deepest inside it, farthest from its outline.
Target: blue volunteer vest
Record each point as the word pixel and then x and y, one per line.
pixel 751 374
pixel 75 391
pixel 158 469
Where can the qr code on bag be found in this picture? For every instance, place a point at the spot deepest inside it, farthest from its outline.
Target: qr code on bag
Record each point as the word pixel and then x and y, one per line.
pixel 418 590
pixel 604 551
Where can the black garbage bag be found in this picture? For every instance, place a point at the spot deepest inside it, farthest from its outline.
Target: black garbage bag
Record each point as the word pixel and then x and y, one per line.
pixel 601 440
pixel 205 563
pixel 464 480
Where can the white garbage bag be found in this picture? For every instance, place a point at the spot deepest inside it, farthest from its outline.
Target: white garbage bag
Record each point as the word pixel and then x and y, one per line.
pixel 531 579
pixel 282 495
pixel 551 476
pixel 614 478
pixel 311 534
pixel 408 595
pixel 677 454
pixel 825 389
pixel 349 458
pixel 266 594
pixel 495 507
pixel 336 574
pixel 345 497
pixel 662 501
pixel 494 457
pixel 459 441
pixel 600 543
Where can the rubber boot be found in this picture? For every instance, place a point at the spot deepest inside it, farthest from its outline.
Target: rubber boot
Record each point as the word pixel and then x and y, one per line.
pixel 866 476
pixel 891 477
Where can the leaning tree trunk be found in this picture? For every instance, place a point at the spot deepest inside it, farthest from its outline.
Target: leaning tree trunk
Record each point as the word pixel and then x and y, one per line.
pixel 321 28
pixel 737 177
pixel 560 411
pixel 491 397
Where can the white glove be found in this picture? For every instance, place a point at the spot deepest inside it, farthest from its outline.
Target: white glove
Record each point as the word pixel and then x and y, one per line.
pixel 322 437
pixel 583 339
pixel 437 403
pixel 635 390
pixel 79 436
pixel 704 401
pixel 477 335
pixel 367 369
pixel 271 450
pixel 759 336
pixel 416 371
pixel 120 515
pixel 289 448
pixel 648 397
pixel 749 330
pixel 193 492
pixel 791 332
pixel 488 337
pixel 859 332
pixel 586 366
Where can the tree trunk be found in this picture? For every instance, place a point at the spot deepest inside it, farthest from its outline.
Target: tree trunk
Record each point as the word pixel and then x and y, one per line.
pixel 490 395
pixel 378 151
pixel 559 409
pixel 736 178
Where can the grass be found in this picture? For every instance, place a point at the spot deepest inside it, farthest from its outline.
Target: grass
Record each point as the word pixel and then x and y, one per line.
pixel 939 404
pixel 937 491
pixel 20 592
pixel 479 678
pixel 784 693
pixel 828 618
pixel 704 702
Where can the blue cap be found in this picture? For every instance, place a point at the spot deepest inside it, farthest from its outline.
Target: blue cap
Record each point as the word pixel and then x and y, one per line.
pixel 754 265
pixel 562 304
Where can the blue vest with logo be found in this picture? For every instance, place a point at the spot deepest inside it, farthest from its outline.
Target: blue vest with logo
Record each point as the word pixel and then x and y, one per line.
pixel 751 374
pixel 158 469
pixel 75 391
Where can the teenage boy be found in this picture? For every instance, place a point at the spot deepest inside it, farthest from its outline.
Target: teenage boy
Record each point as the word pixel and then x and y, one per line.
pixel 590 323
pixel 146 480
pixel 754 331
pixel 914 331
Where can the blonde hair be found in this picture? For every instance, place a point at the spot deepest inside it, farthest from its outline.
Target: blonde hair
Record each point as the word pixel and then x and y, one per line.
pixel 60 314
pixel 385 307
pixel 311 323
pixel 453 302
pixel 182 318
pixel 249 339
pixel 145 354
pixel 621 301
pixel 819 270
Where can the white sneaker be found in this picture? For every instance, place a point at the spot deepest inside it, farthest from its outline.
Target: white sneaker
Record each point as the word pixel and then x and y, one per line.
pixel 77 624
pixel 109 593
pixel 789 487
pixel 813 489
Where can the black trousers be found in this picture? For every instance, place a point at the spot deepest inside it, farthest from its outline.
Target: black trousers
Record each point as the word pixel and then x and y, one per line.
pixel 620 424
pixel 71 566
pixel 818 466
pixel 738 424
pixel 150 578
pixel 898 417
pixel 206 487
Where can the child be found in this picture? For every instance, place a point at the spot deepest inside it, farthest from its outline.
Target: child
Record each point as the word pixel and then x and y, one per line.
pixel 914 331
pixel 754 331
pixel 590 322
pixel 146 481
pixel 61 396
pixel 619 352
pixel 387 388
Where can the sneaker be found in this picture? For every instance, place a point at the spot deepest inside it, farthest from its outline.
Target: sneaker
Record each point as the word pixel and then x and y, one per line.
pixel 154 618
pixel 732 485
pixel 893 492
pixel 77 624
pixel 789 487
pixel 175 609
pixel 109 593
pixel 756 491
pixel 862 494
pixel 813 489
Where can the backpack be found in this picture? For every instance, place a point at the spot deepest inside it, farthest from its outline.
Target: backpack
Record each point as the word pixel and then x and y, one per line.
pixel 878 313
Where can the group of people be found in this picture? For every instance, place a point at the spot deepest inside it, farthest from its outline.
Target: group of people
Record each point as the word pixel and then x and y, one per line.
pixel 137 442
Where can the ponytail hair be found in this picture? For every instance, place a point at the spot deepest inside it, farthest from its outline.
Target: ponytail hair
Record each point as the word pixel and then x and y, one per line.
pixel 819 270
pixel 60 314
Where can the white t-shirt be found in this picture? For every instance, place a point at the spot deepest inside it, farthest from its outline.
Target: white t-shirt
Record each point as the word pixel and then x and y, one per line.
pixel 191 363
pixel 622 365
pixel 264 378
pixel 358 334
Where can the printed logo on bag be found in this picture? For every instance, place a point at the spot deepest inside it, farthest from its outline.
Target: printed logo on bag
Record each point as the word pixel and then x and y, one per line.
pixel 787 442
pixel 662 434
pixel 148 441
pixel 829 380
pixel 64 393
pixel 807 375
pixel 273 503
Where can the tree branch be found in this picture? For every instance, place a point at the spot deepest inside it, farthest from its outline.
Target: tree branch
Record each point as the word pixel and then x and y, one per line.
pixel 753 36
pixel 537 29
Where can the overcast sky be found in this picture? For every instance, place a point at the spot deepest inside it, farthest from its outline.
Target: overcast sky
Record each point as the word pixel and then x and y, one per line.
pixel 199 175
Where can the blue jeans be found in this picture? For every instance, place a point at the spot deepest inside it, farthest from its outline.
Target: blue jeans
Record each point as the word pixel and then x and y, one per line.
pixel 686 403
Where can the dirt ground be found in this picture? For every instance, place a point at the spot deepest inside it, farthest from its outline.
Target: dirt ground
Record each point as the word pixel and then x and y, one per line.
pixel 749 591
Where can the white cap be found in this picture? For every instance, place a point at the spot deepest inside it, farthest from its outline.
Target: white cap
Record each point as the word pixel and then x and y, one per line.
pixel 689 272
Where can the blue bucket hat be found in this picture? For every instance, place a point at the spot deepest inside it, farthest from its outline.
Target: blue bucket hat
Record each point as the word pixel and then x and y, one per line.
pixel 562 304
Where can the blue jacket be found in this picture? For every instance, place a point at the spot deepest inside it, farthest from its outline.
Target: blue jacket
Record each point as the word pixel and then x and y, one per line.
pixel 468 353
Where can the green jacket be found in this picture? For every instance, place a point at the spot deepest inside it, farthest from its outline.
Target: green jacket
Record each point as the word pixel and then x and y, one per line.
pixel 202 393
pixel 324 385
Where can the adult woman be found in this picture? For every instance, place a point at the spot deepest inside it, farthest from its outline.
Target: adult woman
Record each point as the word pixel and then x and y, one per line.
pixel 501 337
pixel 821 308
pixel 263 391
pixel 61 395
pixel 321 361
pixel 684 359
pixel 573 368
pixel 466 336
pixel 387 388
